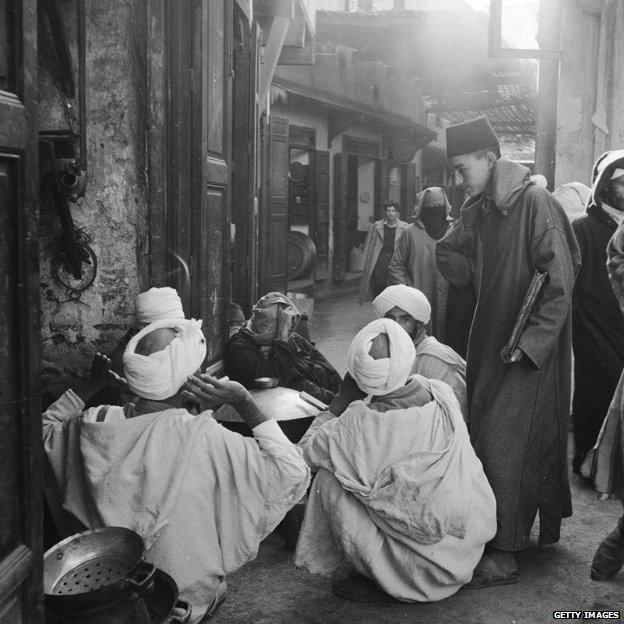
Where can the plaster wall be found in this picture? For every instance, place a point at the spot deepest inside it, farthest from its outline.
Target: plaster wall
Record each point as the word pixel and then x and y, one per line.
pixel 113 211
pixel 591 88
pixel 580 36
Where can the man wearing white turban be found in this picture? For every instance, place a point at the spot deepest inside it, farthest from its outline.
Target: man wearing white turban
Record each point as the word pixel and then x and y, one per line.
pixel 399 494
pixel 201 497
pixel 410 308
pixel 157 304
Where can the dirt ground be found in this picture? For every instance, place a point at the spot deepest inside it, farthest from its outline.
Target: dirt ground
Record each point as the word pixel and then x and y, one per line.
pixel 556 577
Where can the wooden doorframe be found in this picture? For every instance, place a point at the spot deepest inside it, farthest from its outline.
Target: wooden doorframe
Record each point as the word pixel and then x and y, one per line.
pixel 21 567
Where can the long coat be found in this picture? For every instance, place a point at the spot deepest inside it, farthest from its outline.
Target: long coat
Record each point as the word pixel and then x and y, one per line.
pixel 518 413
pixel 597 330
pixel 372 249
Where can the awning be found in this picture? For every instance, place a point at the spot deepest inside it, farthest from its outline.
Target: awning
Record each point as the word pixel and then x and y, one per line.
pixel 351 112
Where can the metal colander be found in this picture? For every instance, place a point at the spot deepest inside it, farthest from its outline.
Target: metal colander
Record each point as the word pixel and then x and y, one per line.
pixel 92 575
pixel 92 560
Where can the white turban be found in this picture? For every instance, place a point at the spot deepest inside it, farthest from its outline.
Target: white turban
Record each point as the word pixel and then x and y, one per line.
pixel 161 374
pixel 157 304
pixel 401 296
pixel 379 377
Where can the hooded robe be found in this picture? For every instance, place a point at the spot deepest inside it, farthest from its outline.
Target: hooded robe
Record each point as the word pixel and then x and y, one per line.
pixel 597 321
pixel 414 264
pixel 518 413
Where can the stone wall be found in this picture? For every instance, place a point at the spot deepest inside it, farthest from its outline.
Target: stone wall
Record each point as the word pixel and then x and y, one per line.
pixel 114 209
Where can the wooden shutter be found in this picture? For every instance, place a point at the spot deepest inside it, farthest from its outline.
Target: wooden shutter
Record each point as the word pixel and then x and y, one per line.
pixel 321 206
pixel 199 171
pixel 340 217
pixel 277 205
pixel 410 190
pixel 244 158
pixel 20 411
pixel 382 179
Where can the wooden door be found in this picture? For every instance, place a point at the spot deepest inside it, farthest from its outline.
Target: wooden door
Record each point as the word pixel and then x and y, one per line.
pixel 410 192
pixel 321 208
pixel 199 156
pixel 244 158
pixel 340 217
pixel 212 104
pixel 275 219
pixel 20 415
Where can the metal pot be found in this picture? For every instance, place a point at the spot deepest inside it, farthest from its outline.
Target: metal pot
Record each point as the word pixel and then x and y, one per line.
pixel 164 599
pixel 95 576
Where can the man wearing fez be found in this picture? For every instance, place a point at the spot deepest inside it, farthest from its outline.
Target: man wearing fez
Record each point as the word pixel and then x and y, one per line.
pixel 518 406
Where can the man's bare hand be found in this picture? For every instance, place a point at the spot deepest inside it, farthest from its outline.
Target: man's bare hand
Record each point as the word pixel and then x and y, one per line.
pixel 347 393
pixel 287 323
pixel 213 392
pixel 98 378
pixel 100 367
pixel 516 356
pixel 117 381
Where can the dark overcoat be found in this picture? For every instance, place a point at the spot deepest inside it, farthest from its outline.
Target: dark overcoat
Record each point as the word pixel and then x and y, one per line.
pixel 518 413
pixel 597 330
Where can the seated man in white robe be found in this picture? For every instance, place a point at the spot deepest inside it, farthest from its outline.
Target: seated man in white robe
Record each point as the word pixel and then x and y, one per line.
pixel 399 493
pixel 201 497
pixel 412 311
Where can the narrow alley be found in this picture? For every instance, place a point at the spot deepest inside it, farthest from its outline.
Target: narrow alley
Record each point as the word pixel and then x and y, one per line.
pixel 271 590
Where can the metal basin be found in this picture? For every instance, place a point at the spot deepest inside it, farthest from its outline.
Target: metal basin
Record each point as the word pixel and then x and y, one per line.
pixel 94 568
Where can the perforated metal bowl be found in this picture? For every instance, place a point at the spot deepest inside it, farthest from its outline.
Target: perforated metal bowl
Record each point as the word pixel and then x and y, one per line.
pixel 94 566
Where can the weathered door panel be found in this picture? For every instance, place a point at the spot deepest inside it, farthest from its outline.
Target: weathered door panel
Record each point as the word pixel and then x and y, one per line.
pixel 277 205
pixel 244 158
pixel 198 166
pixel 340 217
pixel 20 416
pixel 410 191
pixel 321 212
pixel 210 287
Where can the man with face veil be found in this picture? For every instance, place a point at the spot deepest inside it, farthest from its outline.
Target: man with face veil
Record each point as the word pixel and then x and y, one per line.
pixel 268 346
pixel 414 260
pixel 399 493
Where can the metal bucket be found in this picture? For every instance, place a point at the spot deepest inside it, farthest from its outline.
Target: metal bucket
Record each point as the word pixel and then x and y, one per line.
pixel 95 576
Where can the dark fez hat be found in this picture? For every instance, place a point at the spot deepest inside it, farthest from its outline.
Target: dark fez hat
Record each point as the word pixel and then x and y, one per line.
pixel 469 136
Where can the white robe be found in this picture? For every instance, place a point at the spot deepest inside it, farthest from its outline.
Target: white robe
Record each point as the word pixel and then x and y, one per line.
pixel 435 360
pixel 202 497
pixel 399 494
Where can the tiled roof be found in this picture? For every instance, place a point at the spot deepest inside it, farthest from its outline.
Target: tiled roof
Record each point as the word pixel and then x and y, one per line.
pixel 510 108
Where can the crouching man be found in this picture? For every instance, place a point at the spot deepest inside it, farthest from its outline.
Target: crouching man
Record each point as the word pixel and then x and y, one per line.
pixel 399 494
pixel 200 496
